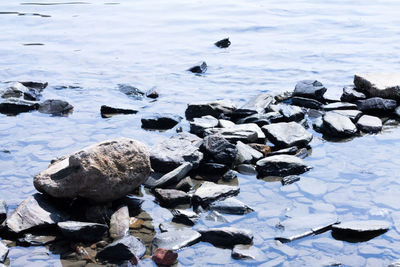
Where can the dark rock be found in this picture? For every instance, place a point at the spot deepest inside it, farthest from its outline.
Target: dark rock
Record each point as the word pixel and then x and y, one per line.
pixel 226 236
pixel 376 105
pixel 34 212
pixel 219 149
pixel 246 169
pixel 378 85
pixel 287 134
pixel 185 216
pixel 209 192
pixel 264 149
pixel 98 214
pixel 36 240
pixel 339 106
pixel 309 88
pixel 224 43
pixel 241 132
pixel 172 177
pixel 152 93
pixel 171 197
pixel 3 252
pixel 201 68
pixel 119 223
pixel 290 179
pixel 286 151
pixel 35 85
pixel 318 125
pixel 198 125
pixel 186 184
pixel 336 125
pixel 14 106
pixel 353 115
pixel 357 231
pixel 229 175
pixel 18 90
pixel 231 206
pixel 306 102
pixel 397 111
pixel 55 107
pixel 263 119
pixel 351 95
pixel 215 216
pixel 164 257
pixel 107 111
pixel 160 121
pixel 257 104
pixel 131 91
pixel 82 231
pixel 291 113
pixel 281 165
pixel 369 124
pixel 247 154
pixel 125 248
pixel 213 168
pixel 175 239
pixel 215 109
pixel 244 252
pixel 3 210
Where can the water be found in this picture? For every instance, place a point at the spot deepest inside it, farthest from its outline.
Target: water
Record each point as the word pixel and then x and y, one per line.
pixel 93 46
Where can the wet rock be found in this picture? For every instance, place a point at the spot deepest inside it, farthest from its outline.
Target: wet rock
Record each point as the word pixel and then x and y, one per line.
pixel 160 121
pixel 200 68
pixel 131 91
pixel 152 93
pixel 34 212
pixel 353 115
pixel 125 248
pixel 358 231
pixel 213 168
pixel 244 252
pixel 107 111
pixel 171 197
pixel 287 134
pixel 36 240
pixel 263 119
pixel 283 96
pixel 226 236
pixel 309 88
pixel 198 125
pixel 186 184
pixel 185 216
pixel 3 252
pixel 379 85
pixel 376 105
pixel 101 172
pixel 246 169
pixel 164 257
pixel 249 132
pixel 290 179
pixel 231 206
pixel 336 125
pixel 369 124
pixel 291 113
pixel 224 43
pixel 281 165
pixel 14 106
pixel 172 177
pixel 3 210
pixel 229 175
pixel 219 149
pixel 175 239
pixel 215 109
pixel 209 192
pixel 82 231
pixel 286 151
pixel 215 216
pixel 339 106
pixel 225 123
pixel 257 104
pixel 351 95
pixel 35 85
pixel 264 149
pixel 119 223
pixel 55 107
pixel 306 102
pixel 247 154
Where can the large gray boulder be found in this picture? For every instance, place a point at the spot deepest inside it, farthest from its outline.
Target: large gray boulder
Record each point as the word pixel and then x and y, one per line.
pixel 379 85
pixel 287 134
pixel 101 172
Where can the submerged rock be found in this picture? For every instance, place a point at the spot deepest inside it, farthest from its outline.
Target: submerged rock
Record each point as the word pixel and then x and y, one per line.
pixel 131 91
pixel 101 172
pixel 357 231
pixel 379 85
pixel 171 197
pixel 336 125
pixel 164 257
pixel 160 121
pixel 215 109
pixel 82 231
pixel 231 206
pixel 219 149
pixel 199 125
pixel 224 43
pixel 226 236
pixel 200 68
pixel 309 88
pixel 376 105
pixel 369 124
pixel 209 192
pixel 306 102
pixel 3 252
pixel 281 165
pixel 119 223
pixel 185 216
pixel 14 106
pixel 290 179
pixel 287 134
pixel 351 95
pixel 107 111
pixel 55 107
pixel 125 248
pixel 175 239
pixel 244 252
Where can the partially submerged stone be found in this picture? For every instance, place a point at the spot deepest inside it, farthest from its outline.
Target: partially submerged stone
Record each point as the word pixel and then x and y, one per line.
pixel 175 239
pixel 379 85
pixel 119 223
pixel 226 236
pixel 3 210
pixel 351 95
pixel 215 216
pixel 369 124
pixel 55 107
pixel 224 43
pixel 248 252
pixel 125 248
pixel 209 192
pixel 171 177
pixel 309 88
pixel 131 91
pixel 231 206
pixel 215 109
pixel 281 165
pixel 287 134
pixel 336 125
pixel 36 240
pixel 107 111
pixel 171 197
pixel 160 121
pixel 376 105
pixel 82 231
pixel 185 216
pixel 200 68
pixel 359 230
pixel 14 106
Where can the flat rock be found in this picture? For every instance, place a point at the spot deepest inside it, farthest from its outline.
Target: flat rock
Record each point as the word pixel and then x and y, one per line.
pixel 131 91
pixel 291 113
pixel 263 119
pixel 14 106
pixel 379 85
pixel 119 223
pixel 160 121
pixel 245 252
pixel 247 154
pixel 353 115
pixel 309 88
pixel 224 43
pixel 257 104
pixel 336 125
pixel 34 212
pixel 215 109
pixel 214 169
pixel 3 252
pixel 175 239
pixel 376 105
pixel 101 172
pixel 369 124
pixel 107 111
pixel 55 107
pixel 171 197
pixel 225 123
pixel 185 216
pixel 351 95
pixel 287 134
pixel 219 149
pixel 285 151
pixel 3 210
pixel 125 248
pixel 173 177
pixel 198 125
pixel 339 106
pixel 306 102
pixel 200 68
pixel 233 135
pixel 281 165
pixel 82 231
pixel 209 192
pixel 215 216
pixel 360 227
pixel 226 236
pixel 230 206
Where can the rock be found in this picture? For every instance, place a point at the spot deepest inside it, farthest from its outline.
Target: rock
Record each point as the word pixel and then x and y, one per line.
pixel 185 216
pixel 209 192
pixel 119 223
pixel 200 68
pixel 263 119
pixel 3 210
pixel 353 115
pixel 225 123
pixel 219 149
pixel 281 165
pixel 302 226
pixel 339 106
pixel 244 252
pixel 198 125
pixel 55 107
pixel 369 124
pixel 175 239
pixel 82 231
pixel 107 111
pixel 283 96
pixel 31 92
pixel 101 172
pixel 35 85
pixel 229 175
pixel 264 149
pixel 291 113
pixel 125 248
pixel 290 179
pixel 378 85
pixel 252 127
pixel 394 264
pixel 172 177
pixel 211 168
pixel 186 184
pixel 361 227
pixel 171 197
pixel 231 206
pixel 131 91
pixel 397 111
pixel 164 257
pixel 246 169
pixel 215 109
pixel 35 240
pixel 226 236
pixel 224 43
pixel 257 104
pixel 336 125
pixel 16 90
pixel 14 106
pixel 3 252
pixel 98 213
pixel 152 93
pixel 376 105
pixel 288 151
pixel 309 88
pixel 241 133
pixel 34 212
pixel 247 154
pixel 302 153
pixel 306 102
pixel 287 134
pixel 351 95
pixel 160 121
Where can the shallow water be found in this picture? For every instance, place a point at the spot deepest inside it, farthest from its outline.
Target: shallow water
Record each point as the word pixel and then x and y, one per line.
pixel 85 49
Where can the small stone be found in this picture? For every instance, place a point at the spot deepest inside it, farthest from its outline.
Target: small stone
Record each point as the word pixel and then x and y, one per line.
pixel 351 95
pixel 226 236
pixel 82 231
pixel 244 252
pixel 247 154
pixel 119 223
pixel 225 123
pixel 369 124
pixel 281 165
pixel 209 192
pixel 309 88
pixel 264 149
pixel 286 151
pixel 164 257
pixel 175 239
pixel 185 216
pixel 135 223
pixel 231 206
pixel 237 133
pixel 200 68
pixel 215 109
pixel 290 179
pixel 199 125
pixel 257 104
pixel 283 96
pixel 186 184
pixel 336 125
pixel 107 111
pixel 152 93
pixel 263 119
pixel 35 240
pixel 376 105
pixel 171 197
pixel 306 102
pixel 131 91
pixel 215 169
pixel 229 175
pixel 361 227
pixel 215 216
pixel 14 106
pixel 291 113
pixel 224 43
pixel 55 107
pixel 287 134
pixel 125 248
pixel 246 169
pixel 160 121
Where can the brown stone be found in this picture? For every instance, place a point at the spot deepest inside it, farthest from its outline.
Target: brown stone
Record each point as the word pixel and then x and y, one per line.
pixel 164 257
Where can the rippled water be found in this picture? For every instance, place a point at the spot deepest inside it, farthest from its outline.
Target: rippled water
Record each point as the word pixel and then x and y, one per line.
pixel 85 49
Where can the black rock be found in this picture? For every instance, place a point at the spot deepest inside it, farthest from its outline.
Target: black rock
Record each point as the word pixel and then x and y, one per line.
pixel 257 104
pixel 219 149
pixel 55 107
pixel 290 179
pixel 201 68
pixel 171 197
pixel 263 119
pixel 185 216
pixel 376 105
pixel 351 95
pixel 198 125
pixel 98 213
pixel 215 109
pixel 357 231
pixel 306 102
pixel 36 240
pixel 3 210
pixel 35 85
pixel 170 178
pixel 231 206
pixel 224 43
pixel 125 248
pixel 213 168
pixel 378 85
pixel 131 91
pixel 107 111
pixel 281 165
pixel 247 154
pixel 229 175
pixel 287 134
pixel 291 113
pixel 152 93
pixel 3 252
pixel 209 192
pixel 309 88
pixel 226 236
pixel 82 231
pixel 14 106
pixel 175 239
pixel 160 121
pixel 246 169
pixel 186 184
pixel 336 125
pixel 369 124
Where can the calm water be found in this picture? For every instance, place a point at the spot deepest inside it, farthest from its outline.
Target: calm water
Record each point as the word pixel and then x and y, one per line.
pixel 91 47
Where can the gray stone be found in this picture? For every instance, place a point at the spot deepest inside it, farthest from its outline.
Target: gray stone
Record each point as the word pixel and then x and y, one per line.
pixel 247 154
pixel 257 104
pixel 229 175
pixel 171 197
pixel 34 212
pixel 172 177
pixel 14 106
pixel 125 248
pixel 55 107
pixel 362 227
pixel 186 184
pixel 287 134
pixel 175 239
pixel 376 105
pixel 82 231
pixel 198 125
pixel 379 85
pixel 339 106
pixel 35 240
pixel 244 252
pixel 185 216
pixel 131 91
pixel 281 165
pixel 209 192
pixel 306 102
pixel 215 109
pixel 252 127
pixel 353 115
pixel 309 88
pixel 336 125
pixel 286 151
pixel 231 206
pixel 351 95
pixel 119 223
pixel 3 252
pixel 263 119
pixel 302 153
pixel 3 210
pixel 160 121
pixel 397 111
pixel 101 172
pixel 247 169
pixel 219 149
pixel 226 236
pixel 172 226
pixel 233 134
pixel 369 124
pixel 107 111
pixel 291 113
pixel 200 68
pixel 290 179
